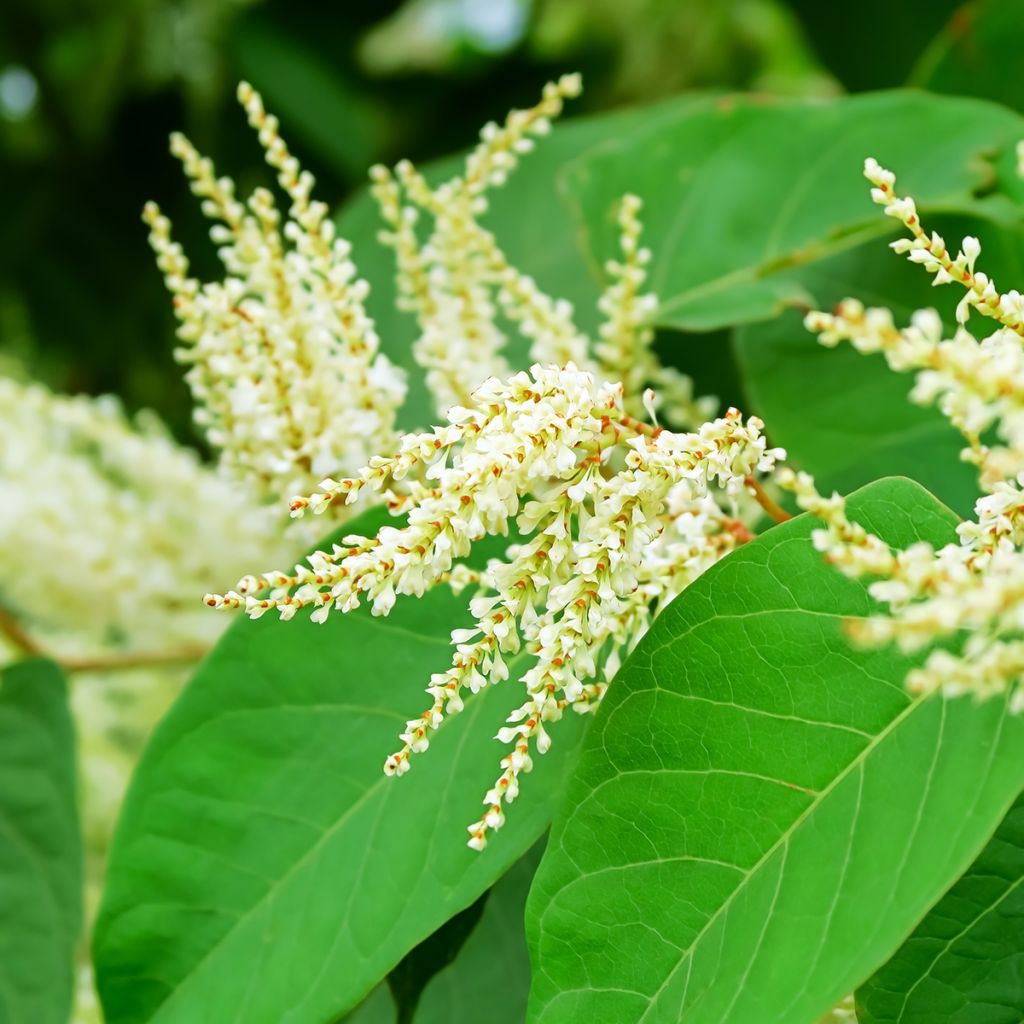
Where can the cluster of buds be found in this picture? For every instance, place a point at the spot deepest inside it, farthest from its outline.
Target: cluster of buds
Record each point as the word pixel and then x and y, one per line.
pixel 614 517
pixel 977 584
pixel 931 252
pixel 284 362
pixel 461 286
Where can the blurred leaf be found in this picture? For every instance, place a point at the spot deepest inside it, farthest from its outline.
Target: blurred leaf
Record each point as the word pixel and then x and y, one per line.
pixel 312 100
pixel 264 868
pixel 977 54
pixel 761 812
pixel 872 44
pixel 964 963
pixel 40 850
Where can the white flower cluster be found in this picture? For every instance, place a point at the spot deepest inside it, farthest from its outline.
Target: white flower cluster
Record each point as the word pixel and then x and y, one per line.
pixel 977 385
pixel 97 512
pixel 284 362
pixel 614 518
pixel 459 283
pixel 976 585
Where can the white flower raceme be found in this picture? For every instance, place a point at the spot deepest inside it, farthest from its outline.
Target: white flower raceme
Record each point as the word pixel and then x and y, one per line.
pixel 625 351
pixel 462 287
pixel 284 362
pixel 98 511
pixel 451 280
pixel 976 585
pixel 615 518
pixel 931 252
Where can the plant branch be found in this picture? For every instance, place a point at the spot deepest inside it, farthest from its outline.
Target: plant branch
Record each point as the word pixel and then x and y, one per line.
pixel 766 501
pixel 134 659
pixel 11 628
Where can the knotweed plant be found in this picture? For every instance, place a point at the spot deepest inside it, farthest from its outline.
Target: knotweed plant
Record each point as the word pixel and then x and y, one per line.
pixel 729 788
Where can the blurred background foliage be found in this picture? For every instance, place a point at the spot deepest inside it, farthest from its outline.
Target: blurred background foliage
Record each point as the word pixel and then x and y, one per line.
pixel 90 89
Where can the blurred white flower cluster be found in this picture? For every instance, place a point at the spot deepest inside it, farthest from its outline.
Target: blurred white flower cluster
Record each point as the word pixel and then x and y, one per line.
pixel 614 518
pixel 284 361
pixel 976 585
pixel 111 527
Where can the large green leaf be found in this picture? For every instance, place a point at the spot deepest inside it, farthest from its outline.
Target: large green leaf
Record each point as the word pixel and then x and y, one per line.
pixel 855 423
pixel 264 869
pixel 964 963
pixel 761 813
pixel 40 846
pixel 745 195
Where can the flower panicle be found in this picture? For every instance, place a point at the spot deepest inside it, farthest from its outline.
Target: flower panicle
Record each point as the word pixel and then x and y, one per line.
pixel 613 516
pixel 978 385
pixel 283 359
pixel 465 292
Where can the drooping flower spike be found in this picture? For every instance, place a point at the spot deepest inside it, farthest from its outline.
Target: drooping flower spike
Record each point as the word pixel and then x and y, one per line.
pixel 615 517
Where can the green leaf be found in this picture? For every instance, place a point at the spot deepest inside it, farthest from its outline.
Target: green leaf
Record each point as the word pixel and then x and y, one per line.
pixel 377 1008
pixel 411 976
pixel 310 96
pixel 964 963
pixel 264 869
pixel 856 422
pixel 744 197
pixel 491 974
pixel 40 846
pixel 472 956
pixel 761 813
